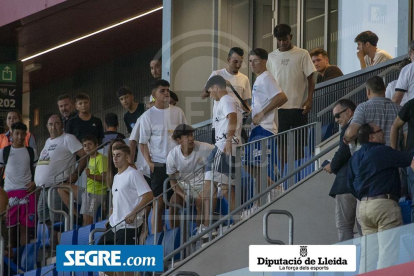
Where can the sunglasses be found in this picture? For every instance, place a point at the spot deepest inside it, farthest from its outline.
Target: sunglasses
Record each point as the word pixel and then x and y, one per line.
pixel 338 115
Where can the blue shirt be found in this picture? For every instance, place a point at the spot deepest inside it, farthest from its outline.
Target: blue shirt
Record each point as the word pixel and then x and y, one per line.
pixel 373 170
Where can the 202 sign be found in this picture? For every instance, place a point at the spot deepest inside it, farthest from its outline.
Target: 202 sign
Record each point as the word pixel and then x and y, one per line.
pixel 7 103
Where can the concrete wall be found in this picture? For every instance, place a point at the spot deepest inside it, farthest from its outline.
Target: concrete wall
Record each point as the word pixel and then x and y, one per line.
pixel 12 10
pixel 202 32
pixel 314 223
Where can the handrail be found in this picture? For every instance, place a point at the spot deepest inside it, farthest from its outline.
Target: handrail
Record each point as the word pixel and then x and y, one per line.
pixel 250 201
pixel 360 72
pixel 265 228
pixel 275 135
pixel 356 90
pixel 185 273
pixel 68 218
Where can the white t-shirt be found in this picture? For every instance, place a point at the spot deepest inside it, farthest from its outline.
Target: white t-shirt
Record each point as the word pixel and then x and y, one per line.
pixel 390 91
pixel 141 164
pixel 241 84
pixel 57 155
pixel 291 69
pixel 18 172
pixel 265 88
pixel 157 126
pixel 405 82
pixel 225 106
pixel 187 165
pixel 127 191
pixel 380 56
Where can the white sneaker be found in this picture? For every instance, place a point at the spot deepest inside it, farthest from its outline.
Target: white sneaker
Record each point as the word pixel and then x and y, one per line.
pixel 202 228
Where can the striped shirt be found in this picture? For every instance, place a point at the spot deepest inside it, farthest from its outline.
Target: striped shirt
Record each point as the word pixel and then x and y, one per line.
pixel 380 111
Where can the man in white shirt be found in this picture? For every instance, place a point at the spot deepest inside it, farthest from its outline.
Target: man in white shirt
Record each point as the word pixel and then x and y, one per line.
pixel 368 54
pixel 130 195
pixel 56 165
pixel 157 125
pixel 293 70
pixel 184 163
pixel 17 165
pixel 404 88
pixel 238 80
pixel 267 98
pixel 228 129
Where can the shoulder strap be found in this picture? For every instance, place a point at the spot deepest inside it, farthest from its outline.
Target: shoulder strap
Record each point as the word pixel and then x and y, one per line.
pixel 6 153
pixel 31 154
pixel 238 97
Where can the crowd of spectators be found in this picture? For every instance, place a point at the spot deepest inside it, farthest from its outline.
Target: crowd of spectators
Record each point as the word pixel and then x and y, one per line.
pixel 162 145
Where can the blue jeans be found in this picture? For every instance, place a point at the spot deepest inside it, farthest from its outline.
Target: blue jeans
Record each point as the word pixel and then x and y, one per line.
pixel 410 180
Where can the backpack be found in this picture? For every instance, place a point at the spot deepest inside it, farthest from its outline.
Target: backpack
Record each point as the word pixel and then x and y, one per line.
pixel 6 153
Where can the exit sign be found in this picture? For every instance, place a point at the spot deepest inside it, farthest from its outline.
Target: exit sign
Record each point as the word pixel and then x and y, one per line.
pixel 7 73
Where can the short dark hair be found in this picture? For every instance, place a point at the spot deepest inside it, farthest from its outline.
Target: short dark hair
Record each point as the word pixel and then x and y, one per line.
pixel 158 58
pixel 261 53
pixel 404 63
pixel 411 46
pixel 364 132
pixel 182 130
pixel 375 84
pixel 367 36
pixel 345 103
pixel 64 97
pixel 19 126
pixel 159 83
pixel 318 51
pixel 111 120
pixel 282 30
pixel 236 50
pixel 82 96
pixel 124 90
pixel 216 80
pixel 173 96
pixel 90 137
pixel 123 148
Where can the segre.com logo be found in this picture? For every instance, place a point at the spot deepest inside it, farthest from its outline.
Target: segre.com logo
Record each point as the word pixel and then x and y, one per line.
pixel 109 258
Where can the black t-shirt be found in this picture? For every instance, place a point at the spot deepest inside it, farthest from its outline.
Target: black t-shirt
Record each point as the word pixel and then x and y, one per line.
pixel 406 114
pixel 330 73
pixel 131 118
pixel 80 128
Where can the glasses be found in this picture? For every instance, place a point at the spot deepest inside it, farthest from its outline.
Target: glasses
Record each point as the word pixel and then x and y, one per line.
pixel 338 115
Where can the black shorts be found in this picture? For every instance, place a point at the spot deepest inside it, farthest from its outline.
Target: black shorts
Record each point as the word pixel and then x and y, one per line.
pixel 124 236
pixel 291 118
pixel 157 180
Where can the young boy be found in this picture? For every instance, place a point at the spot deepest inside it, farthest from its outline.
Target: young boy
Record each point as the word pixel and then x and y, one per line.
pixel 111 128
pixel 156 127
pixel 17 162
pixel 95 194
pixel 134 110
pixel 228 120
pixel 130 193
pixel 84 123
pixel 267 98
pixel 184 163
